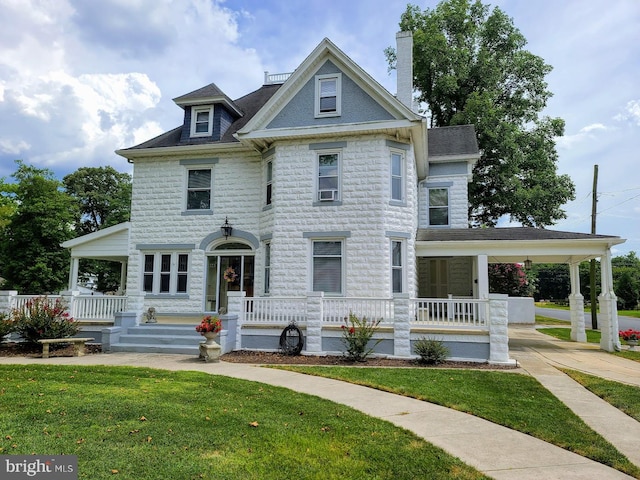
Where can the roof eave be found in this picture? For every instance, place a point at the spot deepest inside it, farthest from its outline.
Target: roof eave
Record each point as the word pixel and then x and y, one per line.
pixel 132 154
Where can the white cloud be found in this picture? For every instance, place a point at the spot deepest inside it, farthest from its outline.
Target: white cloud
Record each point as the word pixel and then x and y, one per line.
pixel 585 134
pixel 632 113
pixel 13 146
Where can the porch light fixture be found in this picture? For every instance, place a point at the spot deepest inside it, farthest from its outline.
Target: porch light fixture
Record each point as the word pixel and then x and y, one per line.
pixel 226 228
pixel 527 264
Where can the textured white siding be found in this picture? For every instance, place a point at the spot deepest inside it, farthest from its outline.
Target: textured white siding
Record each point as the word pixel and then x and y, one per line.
pixel 458 200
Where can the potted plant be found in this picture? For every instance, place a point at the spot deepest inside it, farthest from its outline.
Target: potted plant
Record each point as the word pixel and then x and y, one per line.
pixel 631 337
pixel 209 327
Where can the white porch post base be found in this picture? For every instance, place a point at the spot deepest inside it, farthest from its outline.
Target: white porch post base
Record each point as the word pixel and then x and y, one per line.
pixel 578 333
pixel 401 326
pixel 609 339
pixel 498 330
pixel 235 306
pixel 313 342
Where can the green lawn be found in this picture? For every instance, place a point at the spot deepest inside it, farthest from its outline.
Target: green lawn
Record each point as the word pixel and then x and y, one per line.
pixel 510 399
pixel 125 422
pixel 624 397
pixel 624 313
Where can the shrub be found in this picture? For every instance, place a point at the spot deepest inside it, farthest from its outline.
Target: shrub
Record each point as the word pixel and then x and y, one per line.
pixel 356 336
pixel 431 351
pixel 43 318
pixel 6 325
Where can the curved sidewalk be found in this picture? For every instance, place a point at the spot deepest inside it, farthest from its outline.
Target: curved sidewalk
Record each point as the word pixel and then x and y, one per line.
pixel 541 356
pixel 497 451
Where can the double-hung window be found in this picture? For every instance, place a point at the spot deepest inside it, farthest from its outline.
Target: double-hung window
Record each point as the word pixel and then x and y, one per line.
pixel 165 273
pixel 199 189
pixel 201 121
pixel 269 190
pixel 397 177
pixel 327 266
pixel 267 268
pixel 438 206
pixel 328 186
pixel 328 97
pixel 397 266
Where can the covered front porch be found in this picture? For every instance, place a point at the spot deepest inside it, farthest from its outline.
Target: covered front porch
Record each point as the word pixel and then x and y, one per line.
pixel 523 245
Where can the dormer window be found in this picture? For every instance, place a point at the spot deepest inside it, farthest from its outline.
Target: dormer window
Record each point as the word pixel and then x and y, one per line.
pixel 201 121
pixel 328 95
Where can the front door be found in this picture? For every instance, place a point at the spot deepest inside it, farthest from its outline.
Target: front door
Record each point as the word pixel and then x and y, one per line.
pixel 227 273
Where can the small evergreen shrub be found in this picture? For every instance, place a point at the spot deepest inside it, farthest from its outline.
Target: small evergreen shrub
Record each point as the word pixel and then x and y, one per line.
pixel 431 351
pixel 356 336
pixel 43 318
pixel 6 325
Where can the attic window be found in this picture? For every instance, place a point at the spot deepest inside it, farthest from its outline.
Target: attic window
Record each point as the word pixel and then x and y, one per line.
pixel 201 121
pixel 328 95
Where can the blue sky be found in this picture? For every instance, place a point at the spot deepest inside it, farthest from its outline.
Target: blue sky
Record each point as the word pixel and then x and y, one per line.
pixel 80 79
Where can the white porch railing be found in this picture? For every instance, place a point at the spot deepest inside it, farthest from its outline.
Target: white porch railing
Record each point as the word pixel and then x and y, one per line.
pixel 336 310
pixel 275 310
pixel 81 308
pixel 97 307
pixel 451 312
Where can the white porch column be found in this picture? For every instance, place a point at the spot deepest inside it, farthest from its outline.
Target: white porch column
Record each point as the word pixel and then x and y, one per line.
pixel 576 305
pixel 73 273
pixel 607 301
pixel 401 325
pixel 123 277
pixel 498 330
pixel 483 276
pixel 235 306
pixel 315 301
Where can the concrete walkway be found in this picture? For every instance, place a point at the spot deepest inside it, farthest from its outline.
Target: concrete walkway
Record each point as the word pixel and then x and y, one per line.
pixel 497 451
pixel 541 356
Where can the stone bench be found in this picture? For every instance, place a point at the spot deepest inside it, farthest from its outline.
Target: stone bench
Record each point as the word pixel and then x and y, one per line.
pixel 78 345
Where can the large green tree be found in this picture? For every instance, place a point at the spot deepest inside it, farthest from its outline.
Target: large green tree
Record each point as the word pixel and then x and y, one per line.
pixel 103 197
pixel 31 258
pixel 470 67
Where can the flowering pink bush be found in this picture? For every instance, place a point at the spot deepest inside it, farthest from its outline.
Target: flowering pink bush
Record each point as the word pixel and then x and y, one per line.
pixel 209 324
pixel 42 317
pixel 629 335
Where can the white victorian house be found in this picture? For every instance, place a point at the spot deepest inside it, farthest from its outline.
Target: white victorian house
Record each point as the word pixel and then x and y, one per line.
pixel 317 194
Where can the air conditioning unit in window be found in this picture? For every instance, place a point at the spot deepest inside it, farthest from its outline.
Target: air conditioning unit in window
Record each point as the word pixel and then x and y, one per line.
pixel 327 195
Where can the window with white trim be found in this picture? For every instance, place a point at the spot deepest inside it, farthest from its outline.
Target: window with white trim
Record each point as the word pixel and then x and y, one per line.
pixel 438 206
pixel 328 186
pixel 201 121
pixel 199 189
pixel 269 176
pixel 327 266
pixel 397 177
pixel 397 266
pixel 165 273
pixel 328 95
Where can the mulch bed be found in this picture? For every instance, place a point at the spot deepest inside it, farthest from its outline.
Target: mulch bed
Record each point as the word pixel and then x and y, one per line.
pixel 16 349
pixel 272 358
pixel 19 349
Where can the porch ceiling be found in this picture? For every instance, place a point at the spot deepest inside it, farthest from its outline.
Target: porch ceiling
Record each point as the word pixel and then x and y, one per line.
pixel 514 245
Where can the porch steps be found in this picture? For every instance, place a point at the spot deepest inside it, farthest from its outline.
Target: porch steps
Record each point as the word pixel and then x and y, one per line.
pixel 160 338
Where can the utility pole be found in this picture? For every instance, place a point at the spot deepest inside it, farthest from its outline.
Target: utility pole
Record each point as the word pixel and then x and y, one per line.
pixel 592 269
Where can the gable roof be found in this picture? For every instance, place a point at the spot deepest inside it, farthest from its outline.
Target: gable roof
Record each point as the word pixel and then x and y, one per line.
pixel 249 104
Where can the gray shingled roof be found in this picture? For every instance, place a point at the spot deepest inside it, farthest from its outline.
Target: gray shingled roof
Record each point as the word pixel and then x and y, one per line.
pixel 499 234
pixel 248 104
pixel 456 140
pixel 207 91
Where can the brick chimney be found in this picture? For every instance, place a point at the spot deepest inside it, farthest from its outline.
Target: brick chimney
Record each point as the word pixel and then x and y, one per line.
pixel 404 68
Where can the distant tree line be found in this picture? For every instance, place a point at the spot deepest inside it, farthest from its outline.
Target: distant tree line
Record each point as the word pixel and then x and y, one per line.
pixel 552 281
pixel 39 212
